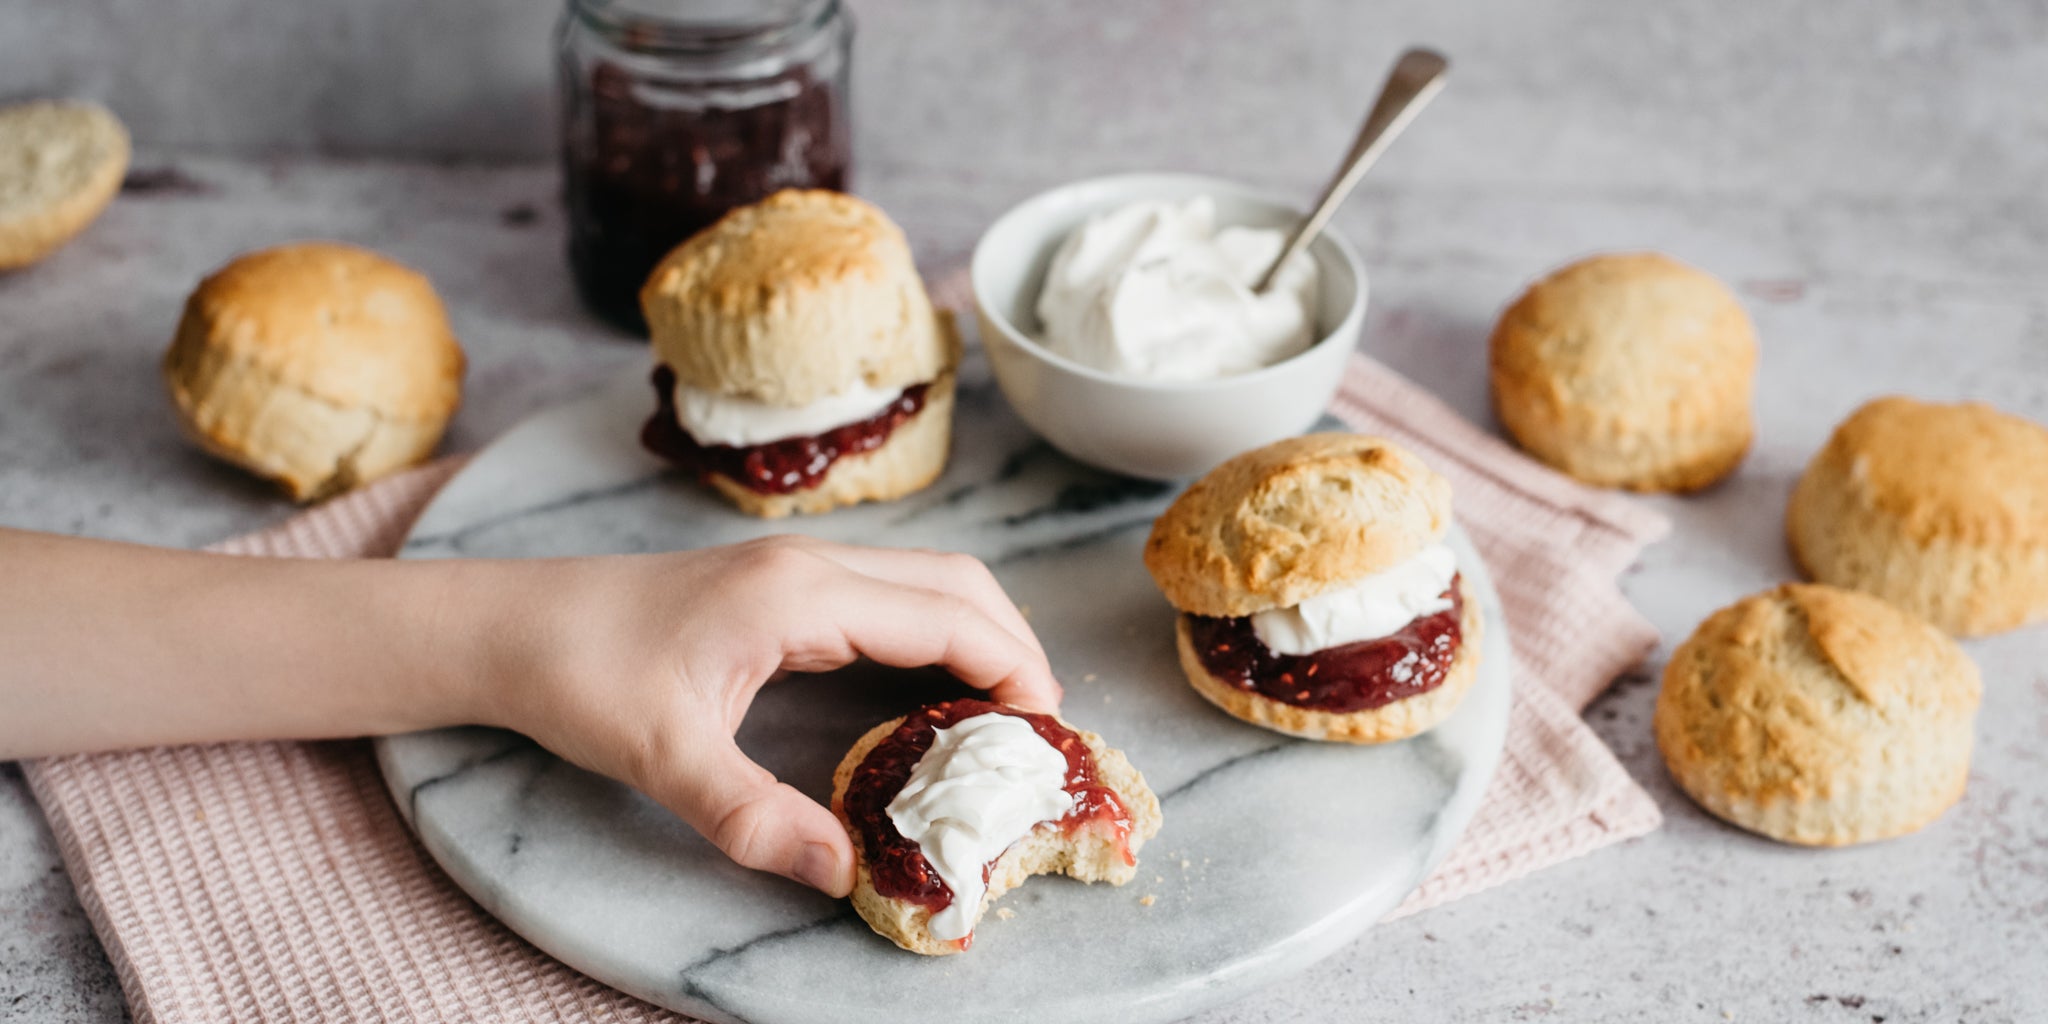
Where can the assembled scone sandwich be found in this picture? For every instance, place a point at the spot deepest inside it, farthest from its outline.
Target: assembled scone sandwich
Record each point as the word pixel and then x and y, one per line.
pixel 1317 595
pixel 956 803
pixel 799 364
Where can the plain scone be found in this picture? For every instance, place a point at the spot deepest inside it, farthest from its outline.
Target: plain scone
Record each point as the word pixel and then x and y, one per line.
pixel 1939 509
pixel 1819 716
pixel 798 297
pixel 61 162
pixel 319 365
pixel 1628 370
pixel 1278 525
pixel 1086 856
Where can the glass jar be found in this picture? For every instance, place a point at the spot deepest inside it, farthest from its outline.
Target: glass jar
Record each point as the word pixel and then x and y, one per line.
pixel 675 111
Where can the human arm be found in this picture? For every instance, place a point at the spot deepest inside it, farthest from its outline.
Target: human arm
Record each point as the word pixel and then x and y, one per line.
pixel 639 667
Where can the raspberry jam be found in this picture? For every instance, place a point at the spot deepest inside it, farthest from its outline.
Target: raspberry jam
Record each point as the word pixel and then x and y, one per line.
pixel 897 864
pixel 1352 677
pixel 778 467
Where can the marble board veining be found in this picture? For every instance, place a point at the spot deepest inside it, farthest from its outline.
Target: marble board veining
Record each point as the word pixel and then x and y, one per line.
pixel 1275 852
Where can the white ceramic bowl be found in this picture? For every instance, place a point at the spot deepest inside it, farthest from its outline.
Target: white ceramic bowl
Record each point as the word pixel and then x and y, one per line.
pixel 1160 430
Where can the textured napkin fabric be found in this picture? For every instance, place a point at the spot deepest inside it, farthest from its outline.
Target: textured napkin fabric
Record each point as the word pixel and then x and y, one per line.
pixel 276 881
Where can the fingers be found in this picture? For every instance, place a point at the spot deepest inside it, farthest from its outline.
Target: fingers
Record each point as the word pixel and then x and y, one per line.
pixel 909 626
pixel 902 608
pixel 948 572
pixel 758 822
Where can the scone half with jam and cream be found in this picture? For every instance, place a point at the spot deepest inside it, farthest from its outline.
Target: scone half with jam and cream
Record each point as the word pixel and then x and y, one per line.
pixel 799 364
pixel 1317 595
pixel 955 804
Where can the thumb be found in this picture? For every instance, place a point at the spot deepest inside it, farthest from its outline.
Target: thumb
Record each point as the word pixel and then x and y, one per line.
pixel 761 823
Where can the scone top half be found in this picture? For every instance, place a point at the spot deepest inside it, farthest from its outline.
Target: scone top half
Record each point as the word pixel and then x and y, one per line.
pixel 1294 520
pixel 805 295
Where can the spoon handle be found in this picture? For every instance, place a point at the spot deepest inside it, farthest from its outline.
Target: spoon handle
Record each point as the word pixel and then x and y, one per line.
pixel 1415 80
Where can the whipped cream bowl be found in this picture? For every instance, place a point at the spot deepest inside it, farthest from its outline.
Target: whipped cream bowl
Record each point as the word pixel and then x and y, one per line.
pixel 1156 398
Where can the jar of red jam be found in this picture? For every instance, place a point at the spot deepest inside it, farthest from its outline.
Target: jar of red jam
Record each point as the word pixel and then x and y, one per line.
pixel 675 111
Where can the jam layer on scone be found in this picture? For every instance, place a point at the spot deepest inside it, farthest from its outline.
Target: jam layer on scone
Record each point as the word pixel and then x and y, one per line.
pixel 1343 679
pixel 778 467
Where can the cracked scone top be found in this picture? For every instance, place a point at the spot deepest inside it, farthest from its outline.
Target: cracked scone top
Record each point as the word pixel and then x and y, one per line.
pixel 319 365
pixel 1819 716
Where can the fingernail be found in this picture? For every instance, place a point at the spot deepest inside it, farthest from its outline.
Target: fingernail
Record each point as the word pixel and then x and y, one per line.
pixel 818 867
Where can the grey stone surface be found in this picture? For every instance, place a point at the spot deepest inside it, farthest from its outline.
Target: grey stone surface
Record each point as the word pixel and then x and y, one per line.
pixel 1867 175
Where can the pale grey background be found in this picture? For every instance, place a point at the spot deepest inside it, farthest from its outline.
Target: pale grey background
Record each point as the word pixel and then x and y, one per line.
pixel 1869 176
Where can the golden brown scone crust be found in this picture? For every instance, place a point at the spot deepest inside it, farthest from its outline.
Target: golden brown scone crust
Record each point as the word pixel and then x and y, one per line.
pixel 1819 716
pixel 1940 509
pixel 1086 856
pixel 1277 525
pixel 319 365
pixel 61 162
pixel 1628 370
pixel 1409 716
pixel 913 456
pixel 793 298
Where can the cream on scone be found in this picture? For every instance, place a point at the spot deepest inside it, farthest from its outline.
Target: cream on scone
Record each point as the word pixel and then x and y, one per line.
pixel 1318 597
pixel 799 364
pixel 956 803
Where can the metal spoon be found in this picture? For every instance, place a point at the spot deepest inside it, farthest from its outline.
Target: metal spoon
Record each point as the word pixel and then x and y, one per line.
pixel 1415 80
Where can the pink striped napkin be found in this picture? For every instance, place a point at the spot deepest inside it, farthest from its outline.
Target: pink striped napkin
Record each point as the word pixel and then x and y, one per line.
pixel 276 881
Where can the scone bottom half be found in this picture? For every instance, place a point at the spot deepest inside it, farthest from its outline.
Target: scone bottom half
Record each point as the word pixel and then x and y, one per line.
pixel 898 891
pixel 1329 529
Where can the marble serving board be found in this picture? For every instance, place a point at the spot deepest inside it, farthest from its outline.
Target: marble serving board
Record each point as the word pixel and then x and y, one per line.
pixel 1274 853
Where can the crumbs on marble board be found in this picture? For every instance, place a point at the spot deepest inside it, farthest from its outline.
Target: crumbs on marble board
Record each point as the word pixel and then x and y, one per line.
pixel 1147 900
pixel 1005 913
pixel 1090 677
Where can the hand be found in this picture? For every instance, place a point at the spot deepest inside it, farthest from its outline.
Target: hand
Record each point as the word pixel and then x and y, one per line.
pixel 642 667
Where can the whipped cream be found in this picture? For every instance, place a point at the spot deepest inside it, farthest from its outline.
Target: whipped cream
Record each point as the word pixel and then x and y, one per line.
pixel 1154 290
pixel 713 417
pixel 983 785
pixel 1374 607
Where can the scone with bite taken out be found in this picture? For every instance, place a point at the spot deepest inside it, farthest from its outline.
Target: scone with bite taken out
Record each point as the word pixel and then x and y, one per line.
pixel 956 803
pixel 799 364
pixel 1317 595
